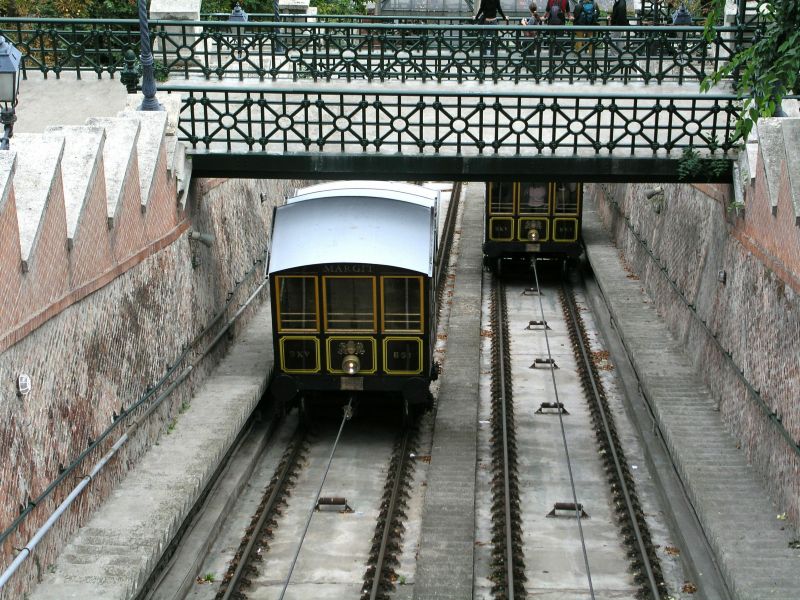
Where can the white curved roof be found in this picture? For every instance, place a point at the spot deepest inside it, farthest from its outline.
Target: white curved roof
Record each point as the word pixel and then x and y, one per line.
pixel 407 192
pixel 348 229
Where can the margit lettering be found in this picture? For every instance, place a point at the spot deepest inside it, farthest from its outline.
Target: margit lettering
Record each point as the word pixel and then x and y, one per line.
pixel 347 268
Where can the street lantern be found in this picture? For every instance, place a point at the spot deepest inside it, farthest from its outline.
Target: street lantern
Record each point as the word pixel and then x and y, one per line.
pixel 682 16
pixel 10 61
pixel 238 15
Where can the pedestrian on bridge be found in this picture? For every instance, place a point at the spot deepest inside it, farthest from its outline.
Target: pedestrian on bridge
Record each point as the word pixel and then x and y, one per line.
pixel 487 12
pixel 557 12
pixel 586 13
pixel 618 18
pixel 619 14
pixel 487 15
pixel 534 19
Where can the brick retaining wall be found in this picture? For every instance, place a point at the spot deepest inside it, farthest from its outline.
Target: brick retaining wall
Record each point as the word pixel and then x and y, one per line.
pixel 754 313
pixel 100 353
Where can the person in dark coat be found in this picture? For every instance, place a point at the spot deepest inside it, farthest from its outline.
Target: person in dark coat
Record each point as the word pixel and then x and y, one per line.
pixel 619 13
pixel 487 12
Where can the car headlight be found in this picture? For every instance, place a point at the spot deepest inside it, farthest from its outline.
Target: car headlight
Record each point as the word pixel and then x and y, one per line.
pixel 351 364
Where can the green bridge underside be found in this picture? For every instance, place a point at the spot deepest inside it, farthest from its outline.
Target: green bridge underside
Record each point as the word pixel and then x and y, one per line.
pixel 448 168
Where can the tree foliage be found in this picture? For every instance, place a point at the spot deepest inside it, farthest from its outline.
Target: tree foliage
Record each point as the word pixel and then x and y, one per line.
pixel 127 9
pixel 769 69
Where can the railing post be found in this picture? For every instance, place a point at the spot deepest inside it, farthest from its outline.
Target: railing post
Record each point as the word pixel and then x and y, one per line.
pixel 739 44
pixel 150 101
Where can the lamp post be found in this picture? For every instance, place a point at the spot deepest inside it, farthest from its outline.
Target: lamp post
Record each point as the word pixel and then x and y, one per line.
pixel 276 12
pixel 682 16
pixel 10 59
pixel 238 15
pixel 148 73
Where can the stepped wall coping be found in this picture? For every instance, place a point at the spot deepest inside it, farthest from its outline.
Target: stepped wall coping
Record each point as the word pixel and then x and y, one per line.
pixel 8 164
pixel 153 127
pixel 38 165
pixel 118 154
pixel 83 147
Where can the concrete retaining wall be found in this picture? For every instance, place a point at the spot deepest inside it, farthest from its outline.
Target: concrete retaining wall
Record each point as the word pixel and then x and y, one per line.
pixel 738 277
pixel 103 352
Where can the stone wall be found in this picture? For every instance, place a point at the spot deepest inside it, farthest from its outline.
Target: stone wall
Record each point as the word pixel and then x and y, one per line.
pixel 740 320
pixel 100 354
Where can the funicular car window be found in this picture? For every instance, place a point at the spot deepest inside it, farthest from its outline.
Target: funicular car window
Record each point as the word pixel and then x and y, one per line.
pixel 402 303
pixel 350 303
pixel 297 304
pixel 566 199
pixel 533 198
pixel 501 198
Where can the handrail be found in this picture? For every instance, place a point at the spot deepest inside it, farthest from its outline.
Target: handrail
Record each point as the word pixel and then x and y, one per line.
pixel 369 22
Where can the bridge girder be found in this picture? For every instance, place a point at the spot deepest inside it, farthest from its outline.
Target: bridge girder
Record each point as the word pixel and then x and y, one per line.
pixel 305 165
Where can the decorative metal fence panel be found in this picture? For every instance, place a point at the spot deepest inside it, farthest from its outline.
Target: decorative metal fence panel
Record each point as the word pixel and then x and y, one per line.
pixel 337 120
pixel 92 46
pixel 380 52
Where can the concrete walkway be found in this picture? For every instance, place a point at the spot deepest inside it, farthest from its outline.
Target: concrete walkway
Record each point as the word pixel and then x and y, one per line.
pixel 734 511
pixel 66 101
pixel 111 557
pixel 447 540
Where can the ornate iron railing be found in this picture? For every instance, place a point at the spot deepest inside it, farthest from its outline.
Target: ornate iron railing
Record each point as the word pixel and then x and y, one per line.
pixel 80 45
pixel 339 120
pixel 378 52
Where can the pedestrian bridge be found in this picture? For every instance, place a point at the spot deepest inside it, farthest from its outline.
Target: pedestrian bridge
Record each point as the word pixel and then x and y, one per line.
pixel 439 99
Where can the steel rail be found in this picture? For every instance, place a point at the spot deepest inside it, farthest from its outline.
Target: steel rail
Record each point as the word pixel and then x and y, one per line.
pixel 641 546
pixel 267 511
pixel 391 24
pixel 446 241
pixel 390 512
pixel 501 343
pixel 564 437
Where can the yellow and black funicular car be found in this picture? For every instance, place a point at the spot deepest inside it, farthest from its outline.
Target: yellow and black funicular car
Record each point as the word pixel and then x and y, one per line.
pixel 531 218
pixel 352 278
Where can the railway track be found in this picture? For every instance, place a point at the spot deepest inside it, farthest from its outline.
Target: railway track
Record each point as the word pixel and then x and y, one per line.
pixel 630 516
pixel 381 574
pixel 508 567
pixel 547 363
pixel 324 514
pixel 258 535
pixel 286 546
